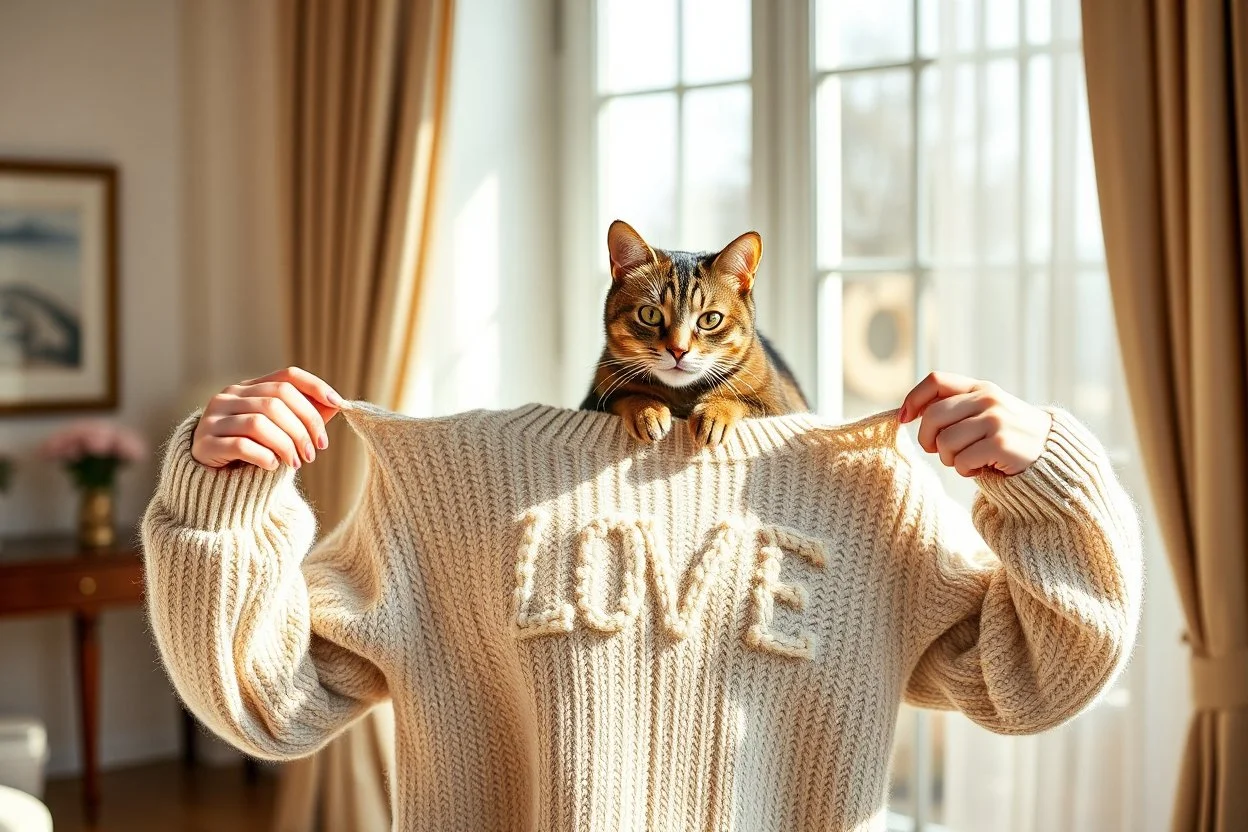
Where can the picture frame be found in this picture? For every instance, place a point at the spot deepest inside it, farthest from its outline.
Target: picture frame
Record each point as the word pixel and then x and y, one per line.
pixel 58 286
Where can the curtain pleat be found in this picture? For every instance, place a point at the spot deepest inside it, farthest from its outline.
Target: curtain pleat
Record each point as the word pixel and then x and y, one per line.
pixel 364 89
pixel 1168 103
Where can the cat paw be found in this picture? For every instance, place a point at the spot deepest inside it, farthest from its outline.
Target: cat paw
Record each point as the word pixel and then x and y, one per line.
pixel 646 421
pixel 712 423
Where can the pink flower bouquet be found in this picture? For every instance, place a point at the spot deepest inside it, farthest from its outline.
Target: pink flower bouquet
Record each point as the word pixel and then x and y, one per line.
pixel 93 450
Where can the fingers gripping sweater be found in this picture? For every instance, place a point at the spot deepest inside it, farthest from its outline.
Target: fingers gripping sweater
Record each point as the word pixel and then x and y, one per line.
pixel 582 633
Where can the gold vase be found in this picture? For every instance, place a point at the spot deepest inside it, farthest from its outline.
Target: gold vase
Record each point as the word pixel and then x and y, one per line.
pixel 95 518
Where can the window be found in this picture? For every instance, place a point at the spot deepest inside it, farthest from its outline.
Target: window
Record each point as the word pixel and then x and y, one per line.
pixel 957 227
pixel 674 155
pixel 956 212
pixel 667 111
pixel 921 171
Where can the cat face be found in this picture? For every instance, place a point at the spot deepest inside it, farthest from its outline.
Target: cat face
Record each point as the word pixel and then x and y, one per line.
pixel 680 317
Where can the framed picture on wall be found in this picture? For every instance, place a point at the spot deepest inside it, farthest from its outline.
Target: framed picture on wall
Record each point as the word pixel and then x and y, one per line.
pixel 58 286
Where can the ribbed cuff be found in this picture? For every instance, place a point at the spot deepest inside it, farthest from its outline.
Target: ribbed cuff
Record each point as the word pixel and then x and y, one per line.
pixel 1072 464
pixel 216 499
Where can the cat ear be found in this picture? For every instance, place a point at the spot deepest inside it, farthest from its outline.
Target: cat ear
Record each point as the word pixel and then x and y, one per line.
pixel 740 259
pixel 627 249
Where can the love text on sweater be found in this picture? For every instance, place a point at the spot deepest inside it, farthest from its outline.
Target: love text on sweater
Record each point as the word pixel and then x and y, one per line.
pixel 636 547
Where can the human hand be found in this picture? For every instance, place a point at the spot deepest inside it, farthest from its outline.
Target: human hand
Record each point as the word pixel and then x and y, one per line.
pixel 975 425
pixel 267 421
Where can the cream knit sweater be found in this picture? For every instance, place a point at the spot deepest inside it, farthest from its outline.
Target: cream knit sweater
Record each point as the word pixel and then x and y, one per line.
pixel 582 633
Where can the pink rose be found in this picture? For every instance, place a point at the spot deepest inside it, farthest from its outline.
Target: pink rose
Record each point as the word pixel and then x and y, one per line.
pixel 93 437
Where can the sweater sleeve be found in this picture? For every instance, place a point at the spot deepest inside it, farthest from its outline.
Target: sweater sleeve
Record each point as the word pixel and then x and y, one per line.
pixel 1024 610
pixel 262 643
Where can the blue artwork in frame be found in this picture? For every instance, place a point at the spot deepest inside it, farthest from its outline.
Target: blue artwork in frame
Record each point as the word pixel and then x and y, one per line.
pixel 58 287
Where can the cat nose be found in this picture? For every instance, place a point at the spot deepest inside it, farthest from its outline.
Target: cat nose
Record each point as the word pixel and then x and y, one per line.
pixel 677 352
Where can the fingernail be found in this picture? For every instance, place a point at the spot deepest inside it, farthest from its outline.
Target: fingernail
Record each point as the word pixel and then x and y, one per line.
pixel 337 401
pixel 296 464
pixel 309 453
pixel 322 441
pixel 901 415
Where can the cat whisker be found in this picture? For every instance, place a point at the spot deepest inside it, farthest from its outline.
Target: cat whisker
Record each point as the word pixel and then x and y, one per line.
pixel 606 382
pixel 753 378
pixel 625 363
pixel 617 362
pixel 717 372
pixel 720 377
pixel 630 365
pixel 625 379
pixel 622 376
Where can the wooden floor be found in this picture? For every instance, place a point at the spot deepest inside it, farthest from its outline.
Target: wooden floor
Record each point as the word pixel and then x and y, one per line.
pixel 165 797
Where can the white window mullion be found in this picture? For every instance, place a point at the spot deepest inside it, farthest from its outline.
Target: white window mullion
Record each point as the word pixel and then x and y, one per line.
pixel 789 246
pixel 1061 384
pixel 767 134
pixel 1030 389
pixel 924 762
pixel 580 249
pixel 679 184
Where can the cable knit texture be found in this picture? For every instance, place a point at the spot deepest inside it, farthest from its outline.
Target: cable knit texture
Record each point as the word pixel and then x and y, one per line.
pixel 583 633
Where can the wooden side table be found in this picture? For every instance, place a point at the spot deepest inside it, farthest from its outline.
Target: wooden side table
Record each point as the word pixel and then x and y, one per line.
pixel 43 575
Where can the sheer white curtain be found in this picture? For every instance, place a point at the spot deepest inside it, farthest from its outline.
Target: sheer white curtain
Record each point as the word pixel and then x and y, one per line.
pixel 1075 778
pixel 1019 294
pixel 958 229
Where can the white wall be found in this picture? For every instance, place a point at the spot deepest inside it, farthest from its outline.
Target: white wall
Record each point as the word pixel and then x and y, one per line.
pixel 100 81
pixel 172 92
pixel 235 315
pixel 177 94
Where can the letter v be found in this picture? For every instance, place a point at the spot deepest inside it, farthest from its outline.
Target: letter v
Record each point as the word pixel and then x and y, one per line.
pixel 681 615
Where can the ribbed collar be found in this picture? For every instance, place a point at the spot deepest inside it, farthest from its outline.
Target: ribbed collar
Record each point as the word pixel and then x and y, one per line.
pixel 754 437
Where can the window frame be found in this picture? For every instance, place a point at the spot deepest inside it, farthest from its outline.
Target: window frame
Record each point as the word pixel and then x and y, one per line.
pixel 783 192
pixel 777 105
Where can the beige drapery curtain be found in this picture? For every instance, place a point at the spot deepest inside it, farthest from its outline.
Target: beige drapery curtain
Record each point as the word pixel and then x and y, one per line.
pixel 1168 101
pixel 363 88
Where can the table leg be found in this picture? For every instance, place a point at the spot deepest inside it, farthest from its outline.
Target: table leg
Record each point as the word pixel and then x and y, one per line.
pixel 88 649
pixel 188 737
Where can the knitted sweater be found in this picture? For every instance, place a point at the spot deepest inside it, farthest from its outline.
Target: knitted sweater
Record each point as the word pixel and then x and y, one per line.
pixel 579 632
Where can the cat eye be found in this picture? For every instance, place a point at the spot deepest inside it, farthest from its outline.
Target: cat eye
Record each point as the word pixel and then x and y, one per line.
pixel 650 315
pixel 710 320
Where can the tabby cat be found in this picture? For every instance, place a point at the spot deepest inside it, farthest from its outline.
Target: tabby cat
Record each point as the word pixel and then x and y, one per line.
pixel 681 341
